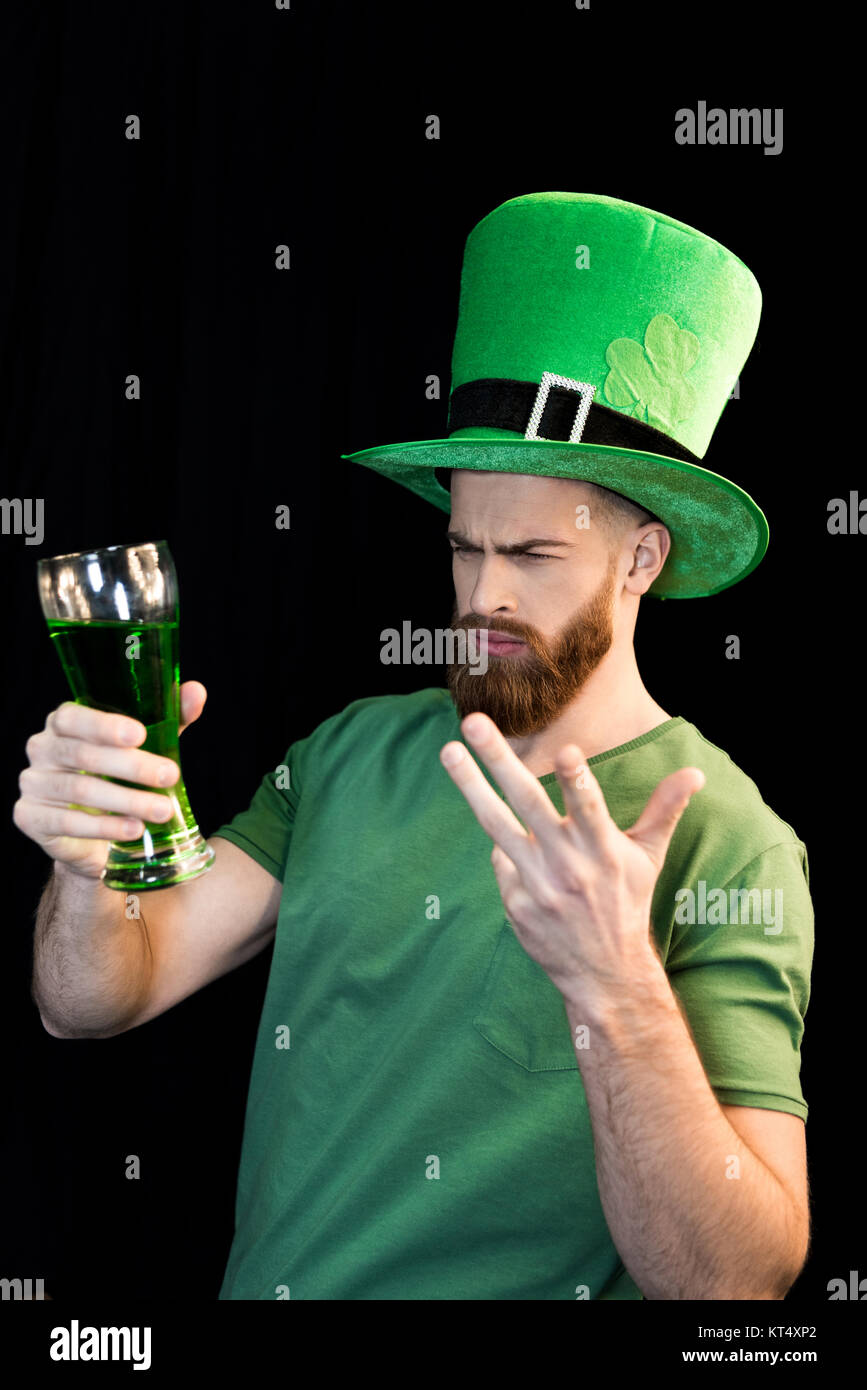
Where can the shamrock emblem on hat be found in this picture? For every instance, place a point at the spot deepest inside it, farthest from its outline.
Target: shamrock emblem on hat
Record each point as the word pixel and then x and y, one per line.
pixel 649 380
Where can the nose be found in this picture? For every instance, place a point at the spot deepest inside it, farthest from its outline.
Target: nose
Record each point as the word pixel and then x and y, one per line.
pixel 490 595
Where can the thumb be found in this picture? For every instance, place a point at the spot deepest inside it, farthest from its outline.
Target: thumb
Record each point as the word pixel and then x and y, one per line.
pixel 656 824
pixel 193 696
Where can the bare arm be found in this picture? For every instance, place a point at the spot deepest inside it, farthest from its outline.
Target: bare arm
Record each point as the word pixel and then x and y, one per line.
pixel 91 966
pixel 105 961
pixel 694 1211
pixel 98 972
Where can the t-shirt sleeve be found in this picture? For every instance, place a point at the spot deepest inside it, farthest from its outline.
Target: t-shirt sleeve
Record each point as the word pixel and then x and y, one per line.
pixel 264 830
pixel 742 976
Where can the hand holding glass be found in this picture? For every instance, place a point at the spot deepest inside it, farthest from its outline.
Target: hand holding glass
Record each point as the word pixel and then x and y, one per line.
pixel 113 617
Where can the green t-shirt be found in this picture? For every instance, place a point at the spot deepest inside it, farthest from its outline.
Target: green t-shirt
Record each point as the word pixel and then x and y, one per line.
pixel 416 1124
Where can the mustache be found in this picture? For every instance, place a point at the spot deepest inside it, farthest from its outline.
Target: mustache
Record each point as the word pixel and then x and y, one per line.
pixel 519 631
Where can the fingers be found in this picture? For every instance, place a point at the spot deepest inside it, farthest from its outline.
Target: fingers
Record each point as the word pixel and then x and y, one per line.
pixel 490 810
pixel 507 876
pixel 57 787
pixel 81 739
pixel 80 721
pixel 523 790
pixel 583 800
pixel 193 696
pixel 68 806
pixel 42 822
pixel 656 824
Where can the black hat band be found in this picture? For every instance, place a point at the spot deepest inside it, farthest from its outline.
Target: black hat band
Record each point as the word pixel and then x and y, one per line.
pixel 505 404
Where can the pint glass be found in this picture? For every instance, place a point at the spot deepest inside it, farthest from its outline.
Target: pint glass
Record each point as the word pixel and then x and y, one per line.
pixel 113 617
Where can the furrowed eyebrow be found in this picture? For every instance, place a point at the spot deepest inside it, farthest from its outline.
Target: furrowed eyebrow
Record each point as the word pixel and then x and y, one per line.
pixel 517 548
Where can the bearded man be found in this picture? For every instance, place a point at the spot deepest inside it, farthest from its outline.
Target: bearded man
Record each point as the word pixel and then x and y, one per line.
pixel 530 1031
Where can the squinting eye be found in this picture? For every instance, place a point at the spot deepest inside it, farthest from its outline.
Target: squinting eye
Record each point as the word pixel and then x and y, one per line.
pixel 527 555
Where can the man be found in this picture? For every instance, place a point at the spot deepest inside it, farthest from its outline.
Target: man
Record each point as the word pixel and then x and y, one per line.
pixel 533 1019
pixel 526 1046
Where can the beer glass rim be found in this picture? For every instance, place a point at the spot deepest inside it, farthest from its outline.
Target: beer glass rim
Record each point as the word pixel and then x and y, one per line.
pixel 100 550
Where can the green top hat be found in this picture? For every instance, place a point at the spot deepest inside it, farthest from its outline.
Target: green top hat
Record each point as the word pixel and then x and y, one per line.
pixel 600 340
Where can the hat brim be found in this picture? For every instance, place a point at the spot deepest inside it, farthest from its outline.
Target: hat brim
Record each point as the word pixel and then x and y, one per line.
pixel 718 533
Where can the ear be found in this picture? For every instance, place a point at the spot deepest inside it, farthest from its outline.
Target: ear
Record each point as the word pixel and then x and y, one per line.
pixel 651 544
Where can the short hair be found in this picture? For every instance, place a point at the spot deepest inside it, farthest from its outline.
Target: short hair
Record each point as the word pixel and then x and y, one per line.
pixel 616 512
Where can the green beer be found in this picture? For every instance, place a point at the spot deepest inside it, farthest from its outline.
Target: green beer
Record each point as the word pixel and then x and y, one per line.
pixel 132 668
pixel 112 615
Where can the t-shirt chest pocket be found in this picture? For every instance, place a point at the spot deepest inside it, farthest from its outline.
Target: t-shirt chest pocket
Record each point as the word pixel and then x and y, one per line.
pixel 521 1012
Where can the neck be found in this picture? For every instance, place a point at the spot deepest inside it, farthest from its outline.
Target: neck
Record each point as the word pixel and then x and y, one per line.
pixel 611 708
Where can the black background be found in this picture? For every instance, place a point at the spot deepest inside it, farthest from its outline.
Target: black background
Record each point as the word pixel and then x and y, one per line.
pixel 156 257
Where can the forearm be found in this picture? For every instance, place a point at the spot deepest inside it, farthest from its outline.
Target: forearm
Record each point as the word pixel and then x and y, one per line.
pixel 693 1212
pixel 91 963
